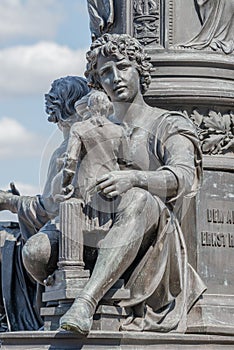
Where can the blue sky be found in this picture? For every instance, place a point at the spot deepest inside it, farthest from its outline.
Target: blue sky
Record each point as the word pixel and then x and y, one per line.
pixel 40 40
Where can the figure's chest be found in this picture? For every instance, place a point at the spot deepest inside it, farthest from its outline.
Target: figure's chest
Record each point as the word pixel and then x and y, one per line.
pixel 141 149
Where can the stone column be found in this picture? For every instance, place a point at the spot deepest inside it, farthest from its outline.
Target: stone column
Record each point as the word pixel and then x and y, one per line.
pixel 70 278
pixel 71 242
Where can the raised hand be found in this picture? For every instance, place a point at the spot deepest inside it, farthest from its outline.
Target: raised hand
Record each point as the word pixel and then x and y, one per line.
pixel 13 189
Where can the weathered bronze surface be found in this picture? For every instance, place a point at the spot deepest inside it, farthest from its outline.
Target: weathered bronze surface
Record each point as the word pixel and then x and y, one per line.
pixel 131 231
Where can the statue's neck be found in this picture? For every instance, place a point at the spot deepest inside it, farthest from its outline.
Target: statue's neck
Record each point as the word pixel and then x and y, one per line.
pixel 129 112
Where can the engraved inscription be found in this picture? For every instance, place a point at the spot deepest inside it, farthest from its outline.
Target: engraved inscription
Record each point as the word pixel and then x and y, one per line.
pixel 223 221
pixel 231 240
pixel 217 239
pixel 218 216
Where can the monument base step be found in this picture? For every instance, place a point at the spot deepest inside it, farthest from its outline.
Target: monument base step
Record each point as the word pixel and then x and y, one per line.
pixel 112 340
pixel 212 314
pixel 106 318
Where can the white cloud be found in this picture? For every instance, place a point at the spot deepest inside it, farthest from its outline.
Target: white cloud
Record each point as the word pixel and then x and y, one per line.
pixel 17 141
pixel 31 69
pixel 29 18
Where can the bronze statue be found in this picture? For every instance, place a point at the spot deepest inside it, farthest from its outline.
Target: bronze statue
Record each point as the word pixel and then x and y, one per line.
pixel 96 143
pixel 95 147
pixel 217 32
pixel 144 243
pixel 142 240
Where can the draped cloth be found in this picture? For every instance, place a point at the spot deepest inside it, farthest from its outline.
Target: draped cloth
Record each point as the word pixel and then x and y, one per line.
pixel 19 291
pixel 217 32
pixel 101 13
pixel 163 285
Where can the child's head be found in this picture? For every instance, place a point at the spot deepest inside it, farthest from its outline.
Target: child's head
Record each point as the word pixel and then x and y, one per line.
pixel 96 103
pixel 99 104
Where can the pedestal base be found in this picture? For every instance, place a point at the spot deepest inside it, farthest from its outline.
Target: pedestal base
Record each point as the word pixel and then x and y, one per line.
pixel 113 340
pixel 65 290
pixel 67 285
pixel 106 318
pixel 212 314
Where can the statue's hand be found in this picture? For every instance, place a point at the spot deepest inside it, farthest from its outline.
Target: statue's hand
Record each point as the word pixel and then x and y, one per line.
pixel 67 194
pixel 13 189
pixel 116 182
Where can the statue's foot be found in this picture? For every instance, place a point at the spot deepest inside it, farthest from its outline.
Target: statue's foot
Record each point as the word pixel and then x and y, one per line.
pixel 133 325
pixel 79 318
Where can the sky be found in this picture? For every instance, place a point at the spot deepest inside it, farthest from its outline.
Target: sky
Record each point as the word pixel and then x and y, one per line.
pixel 40 40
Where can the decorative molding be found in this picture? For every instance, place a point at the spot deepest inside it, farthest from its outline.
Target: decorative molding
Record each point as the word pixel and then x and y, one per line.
pixel 171 22
pixel 147 21
pixel 215 130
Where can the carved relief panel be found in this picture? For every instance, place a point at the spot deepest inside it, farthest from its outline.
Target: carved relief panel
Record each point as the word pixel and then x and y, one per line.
pixel 196 24
pixel 201 25
pixel 217 26
pixel 147 21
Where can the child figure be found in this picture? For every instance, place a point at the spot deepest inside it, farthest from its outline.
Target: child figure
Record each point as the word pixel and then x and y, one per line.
pixel 95 146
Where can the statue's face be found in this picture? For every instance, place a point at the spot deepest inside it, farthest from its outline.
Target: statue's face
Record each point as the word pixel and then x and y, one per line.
pixel 119 78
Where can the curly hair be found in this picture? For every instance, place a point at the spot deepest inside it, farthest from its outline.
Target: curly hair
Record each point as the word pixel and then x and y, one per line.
pixel 118 44
pixel 64 93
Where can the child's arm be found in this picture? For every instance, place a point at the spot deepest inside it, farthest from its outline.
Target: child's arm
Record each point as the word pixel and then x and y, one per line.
pixel 71 158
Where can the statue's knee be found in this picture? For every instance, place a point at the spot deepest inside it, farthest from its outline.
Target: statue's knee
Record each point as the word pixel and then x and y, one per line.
pixel 40 256
pixel 140 194
pixel 37 249
pixel 139 199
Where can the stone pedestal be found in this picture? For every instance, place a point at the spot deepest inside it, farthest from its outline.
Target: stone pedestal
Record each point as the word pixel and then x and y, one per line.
pixel 70 278
pixel 209 228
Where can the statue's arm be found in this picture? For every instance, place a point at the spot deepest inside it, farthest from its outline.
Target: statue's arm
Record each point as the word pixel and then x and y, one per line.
pixel 173 179
pixel 176 176
pixel 31 212
pixel 71 158
pixel 9 201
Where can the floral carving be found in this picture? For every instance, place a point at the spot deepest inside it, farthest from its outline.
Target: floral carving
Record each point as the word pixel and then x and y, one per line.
pixel 216 131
